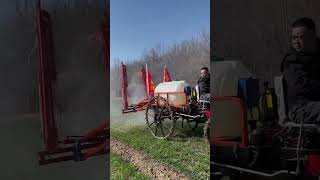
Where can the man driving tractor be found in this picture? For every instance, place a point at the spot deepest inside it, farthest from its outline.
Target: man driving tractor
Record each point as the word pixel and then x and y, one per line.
pixel 204 84
pixel 287 150
pixel 301 71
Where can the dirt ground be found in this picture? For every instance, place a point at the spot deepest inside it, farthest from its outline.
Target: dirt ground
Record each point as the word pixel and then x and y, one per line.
pixel 145 164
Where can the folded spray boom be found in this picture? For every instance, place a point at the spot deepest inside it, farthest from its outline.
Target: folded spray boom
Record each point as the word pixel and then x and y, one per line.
pixel 78 148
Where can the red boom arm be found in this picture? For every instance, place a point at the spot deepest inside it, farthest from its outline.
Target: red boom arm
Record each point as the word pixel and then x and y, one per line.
pixel 47 77
pixel 96 141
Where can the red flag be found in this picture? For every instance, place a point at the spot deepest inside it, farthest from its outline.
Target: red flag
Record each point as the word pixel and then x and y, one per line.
pixel 166 75
pixel 144 79
pixel 149 82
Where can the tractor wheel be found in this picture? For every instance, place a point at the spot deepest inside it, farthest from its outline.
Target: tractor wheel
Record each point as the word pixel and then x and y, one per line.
pixel 159 118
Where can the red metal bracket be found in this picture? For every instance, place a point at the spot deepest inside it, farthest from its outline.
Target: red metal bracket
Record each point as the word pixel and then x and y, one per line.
pixel 95 142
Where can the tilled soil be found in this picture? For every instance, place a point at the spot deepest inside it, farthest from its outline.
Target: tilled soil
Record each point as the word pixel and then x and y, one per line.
pixel 145 164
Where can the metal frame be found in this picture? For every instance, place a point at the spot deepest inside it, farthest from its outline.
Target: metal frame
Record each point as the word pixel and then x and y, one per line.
pixel 245 141
pixel 95 142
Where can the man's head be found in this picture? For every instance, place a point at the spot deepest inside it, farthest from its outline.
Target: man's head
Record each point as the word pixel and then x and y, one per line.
pixel 304 36
pixel 204 72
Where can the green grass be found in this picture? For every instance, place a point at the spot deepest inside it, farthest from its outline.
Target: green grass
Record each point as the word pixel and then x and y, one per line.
pixel 121 169
pixel 189 155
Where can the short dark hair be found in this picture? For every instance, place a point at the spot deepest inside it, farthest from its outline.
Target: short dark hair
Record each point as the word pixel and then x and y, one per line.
pixel 304 22
pixel 205 68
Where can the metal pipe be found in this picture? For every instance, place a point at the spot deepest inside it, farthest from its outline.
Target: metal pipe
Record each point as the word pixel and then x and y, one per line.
pixel 253 171
pixel 54 160
pixel 95 132
pixel 67 149
pixel 301 150
pixel 298 155
pixel 100 149
pixel 188 115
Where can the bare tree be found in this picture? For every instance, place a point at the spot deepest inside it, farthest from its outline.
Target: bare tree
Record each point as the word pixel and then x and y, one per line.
pixel 183 59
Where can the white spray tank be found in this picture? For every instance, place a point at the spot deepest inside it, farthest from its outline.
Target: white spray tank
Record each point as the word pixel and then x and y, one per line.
pixel 173 92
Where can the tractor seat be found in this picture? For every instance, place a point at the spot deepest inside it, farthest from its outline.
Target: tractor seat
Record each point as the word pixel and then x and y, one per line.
pixel 202 98
pixel 284 120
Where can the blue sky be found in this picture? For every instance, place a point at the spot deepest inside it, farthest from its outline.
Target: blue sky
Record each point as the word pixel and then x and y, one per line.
pixel 138 25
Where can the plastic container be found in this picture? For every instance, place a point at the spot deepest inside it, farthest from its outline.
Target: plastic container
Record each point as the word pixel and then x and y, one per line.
pixel 249 91
pixel 225 77
pixel 173 92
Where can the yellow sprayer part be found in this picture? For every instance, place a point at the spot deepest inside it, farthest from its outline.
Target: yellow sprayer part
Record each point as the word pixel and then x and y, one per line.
pixel 269 101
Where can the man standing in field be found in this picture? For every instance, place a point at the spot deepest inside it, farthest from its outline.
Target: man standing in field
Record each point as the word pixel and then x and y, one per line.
pixel 204 84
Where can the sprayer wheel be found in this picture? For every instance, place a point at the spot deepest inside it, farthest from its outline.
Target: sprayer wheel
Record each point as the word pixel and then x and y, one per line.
pixel 159 118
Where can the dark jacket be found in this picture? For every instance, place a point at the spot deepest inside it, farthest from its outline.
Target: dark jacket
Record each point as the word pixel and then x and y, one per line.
pixel 301 72
pixel 204 85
